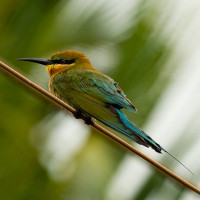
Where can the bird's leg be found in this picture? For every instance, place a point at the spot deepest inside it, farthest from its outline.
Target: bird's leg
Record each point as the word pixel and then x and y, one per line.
pixel 86 119
pixel 78 114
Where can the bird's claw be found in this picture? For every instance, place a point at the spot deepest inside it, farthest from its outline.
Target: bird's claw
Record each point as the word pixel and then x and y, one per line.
pixel 87 120
pixel 78 114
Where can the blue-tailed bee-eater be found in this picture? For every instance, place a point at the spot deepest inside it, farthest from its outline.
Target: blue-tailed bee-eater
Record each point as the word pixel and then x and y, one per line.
pixel 93 94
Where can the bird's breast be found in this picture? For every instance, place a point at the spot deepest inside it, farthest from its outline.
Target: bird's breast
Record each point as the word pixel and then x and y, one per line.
pixel 52 89
pixel 62 85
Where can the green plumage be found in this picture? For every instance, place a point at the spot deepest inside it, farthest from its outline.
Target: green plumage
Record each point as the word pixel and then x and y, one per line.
pixel 103 89
pixel 99 96
pixel 74 80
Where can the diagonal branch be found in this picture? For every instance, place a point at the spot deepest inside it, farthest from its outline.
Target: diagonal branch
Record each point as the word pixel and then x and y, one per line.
pixel 26 82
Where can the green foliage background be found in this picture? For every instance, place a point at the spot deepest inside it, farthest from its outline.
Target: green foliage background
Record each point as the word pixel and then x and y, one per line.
pixel 37 29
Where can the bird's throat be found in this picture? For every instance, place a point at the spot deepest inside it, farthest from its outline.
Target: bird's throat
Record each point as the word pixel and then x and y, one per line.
pixel 55 69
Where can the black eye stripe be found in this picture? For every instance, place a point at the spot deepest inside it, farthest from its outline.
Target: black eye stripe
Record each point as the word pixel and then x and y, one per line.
pixel 63 61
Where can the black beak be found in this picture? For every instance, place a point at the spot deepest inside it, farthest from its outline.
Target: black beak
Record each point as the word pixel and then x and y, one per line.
pixel 41 61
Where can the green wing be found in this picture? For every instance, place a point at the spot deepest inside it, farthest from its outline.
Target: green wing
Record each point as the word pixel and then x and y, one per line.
pixel 96 85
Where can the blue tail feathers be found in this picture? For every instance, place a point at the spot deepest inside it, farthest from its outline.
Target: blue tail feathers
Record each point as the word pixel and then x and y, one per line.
pixel 133 131
pixel 129 129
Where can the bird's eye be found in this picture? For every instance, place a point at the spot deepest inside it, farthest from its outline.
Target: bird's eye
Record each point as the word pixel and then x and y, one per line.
pixel 62 61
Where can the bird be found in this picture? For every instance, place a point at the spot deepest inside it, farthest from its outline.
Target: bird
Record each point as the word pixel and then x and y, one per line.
pixel 93 94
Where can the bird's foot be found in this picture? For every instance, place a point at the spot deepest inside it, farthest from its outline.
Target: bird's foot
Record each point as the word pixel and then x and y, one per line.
pixel 86 119
pixel 78 114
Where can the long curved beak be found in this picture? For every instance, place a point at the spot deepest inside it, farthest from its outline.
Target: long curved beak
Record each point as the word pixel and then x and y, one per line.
pixel 41 61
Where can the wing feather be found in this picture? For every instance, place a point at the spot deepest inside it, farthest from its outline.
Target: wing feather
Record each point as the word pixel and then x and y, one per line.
pixel 103 88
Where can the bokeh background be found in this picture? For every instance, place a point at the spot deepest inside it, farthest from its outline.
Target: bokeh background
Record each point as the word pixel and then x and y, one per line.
pixel 151 48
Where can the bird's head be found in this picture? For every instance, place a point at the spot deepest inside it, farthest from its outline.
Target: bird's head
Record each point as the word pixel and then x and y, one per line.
pixel 62 61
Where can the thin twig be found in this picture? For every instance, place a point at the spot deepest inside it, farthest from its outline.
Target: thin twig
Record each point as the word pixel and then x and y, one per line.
pixel 60 103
